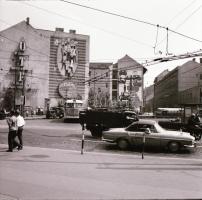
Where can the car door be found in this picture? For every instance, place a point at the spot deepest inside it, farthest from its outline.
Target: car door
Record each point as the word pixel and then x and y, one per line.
pixel 153 139
pixel 132 131
pixel 137 131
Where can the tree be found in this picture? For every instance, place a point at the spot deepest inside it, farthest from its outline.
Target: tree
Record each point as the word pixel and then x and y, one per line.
pixel 8 102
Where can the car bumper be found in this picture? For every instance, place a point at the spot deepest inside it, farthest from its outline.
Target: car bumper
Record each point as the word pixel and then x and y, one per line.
pixel 108 140
pixel 191 146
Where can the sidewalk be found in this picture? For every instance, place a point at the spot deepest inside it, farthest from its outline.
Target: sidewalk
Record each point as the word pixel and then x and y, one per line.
pixel 30 117
pixel 54 174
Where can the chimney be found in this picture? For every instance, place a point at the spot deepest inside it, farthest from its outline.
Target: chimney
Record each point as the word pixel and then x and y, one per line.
pixel 27 20
pixel 59 29
pixel 72 31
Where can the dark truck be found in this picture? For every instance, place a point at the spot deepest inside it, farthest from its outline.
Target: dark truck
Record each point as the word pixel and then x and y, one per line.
pixel 98 120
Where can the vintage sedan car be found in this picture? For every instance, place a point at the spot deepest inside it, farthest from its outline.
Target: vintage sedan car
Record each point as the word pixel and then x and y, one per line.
pixel 155 136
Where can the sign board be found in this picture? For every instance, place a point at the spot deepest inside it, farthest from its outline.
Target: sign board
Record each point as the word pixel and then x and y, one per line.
pixel 67 89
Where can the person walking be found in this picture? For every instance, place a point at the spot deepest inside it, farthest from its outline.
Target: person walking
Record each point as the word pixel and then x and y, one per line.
pixel 20 126
pixel 12 124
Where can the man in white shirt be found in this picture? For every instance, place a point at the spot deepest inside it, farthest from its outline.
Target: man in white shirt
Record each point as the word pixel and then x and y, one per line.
pixel 20 125
pixel 12 124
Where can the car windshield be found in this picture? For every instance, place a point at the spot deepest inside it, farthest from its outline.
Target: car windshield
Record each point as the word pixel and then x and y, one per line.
pixel 140 127
pixel 159 128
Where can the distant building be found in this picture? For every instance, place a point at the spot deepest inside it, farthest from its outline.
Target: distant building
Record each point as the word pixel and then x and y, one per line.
pixel 130 82
pixel 149 98
pixel 181 87
pixel 100 85
pixel 117 85
pixel 190 84
pixel 42 67
pixel 166 91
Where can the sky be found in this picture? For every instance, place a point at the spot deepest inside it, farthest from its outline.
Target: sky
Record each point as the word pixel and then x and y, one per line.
pixel 133 30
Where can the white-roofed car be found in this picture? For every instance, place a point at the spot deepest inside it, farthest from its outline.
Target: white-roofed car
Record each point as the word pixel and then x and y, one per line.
pixel 155 136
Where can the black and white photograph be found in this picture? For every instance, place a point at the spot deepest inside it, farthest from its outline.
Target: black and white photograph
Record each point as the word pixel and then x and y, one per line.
pixel 100 99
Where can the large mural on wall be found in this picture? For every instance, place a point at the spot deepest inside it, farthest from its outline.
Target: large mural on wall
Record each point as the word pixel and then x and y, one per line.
pixel 67 56
pixel 67 69
pixel 131 86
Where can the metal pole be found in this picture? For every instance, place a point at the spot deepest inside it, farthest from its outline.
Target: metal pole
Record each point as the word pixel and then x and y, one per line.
pixel 143 145
pixel 23 93
pixel 83 138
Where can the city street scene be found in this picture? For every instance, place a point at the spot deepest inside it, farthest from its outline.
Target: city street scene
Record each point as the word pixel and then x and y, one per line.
pixel 100 99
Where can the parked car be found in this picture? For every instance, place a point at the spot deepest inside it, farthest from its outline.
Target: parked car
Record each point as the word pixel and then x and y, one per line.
pixel 39 111
pixel 54 113
pixel 155 136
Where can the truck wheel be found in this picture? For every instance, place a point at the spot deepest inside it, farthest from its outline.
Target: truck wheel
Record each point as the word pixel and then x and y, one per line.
pixel 123 144
pixel 173 147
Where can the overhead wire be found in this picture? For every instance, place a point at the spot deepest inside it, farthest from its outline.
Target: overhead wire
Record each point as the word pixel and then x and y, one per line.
pixel 130 18
pixel 181 23
pixel 189 16
pixel 157 33
pixel 39 52
pixel 149 24
pixel 182 11
pixel 93 26
pixel 156 61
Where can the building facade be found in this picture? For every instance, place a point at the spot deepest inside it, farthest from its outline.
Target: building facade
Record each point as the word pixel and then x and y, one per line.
pixel 149 99
pixel 190 84
pixel 181 87
pixel 166 91
pixel 52 67
pixel 100 85
pixel 131 82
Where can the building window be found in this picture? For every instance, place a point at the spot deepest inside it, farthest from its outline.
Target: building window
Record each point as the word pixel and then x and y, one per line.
pixel 114 74
pixel 114 85
pixel 114 95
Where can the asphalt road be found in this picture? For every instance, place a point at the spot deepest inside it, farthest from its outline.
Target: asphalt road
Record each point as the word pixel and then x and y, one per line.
pixel 52 174
pixel 102 172
pixel 54 133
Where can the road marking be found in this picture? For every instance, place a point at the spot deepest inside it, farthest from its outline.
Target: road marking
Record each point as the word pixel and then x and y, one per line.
pixel 95 141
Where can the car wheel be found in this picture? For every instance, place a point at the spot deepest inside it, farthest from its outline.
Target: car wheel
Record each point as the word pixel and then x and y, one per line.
pixel 123 144
pixel 173 146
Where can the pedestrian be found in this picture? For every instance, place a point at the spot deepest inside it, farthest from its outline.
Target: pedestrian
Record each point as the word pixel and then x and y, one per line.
pixel 191 120
pixel 20 127
pixel 12 124
pixel 197 119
